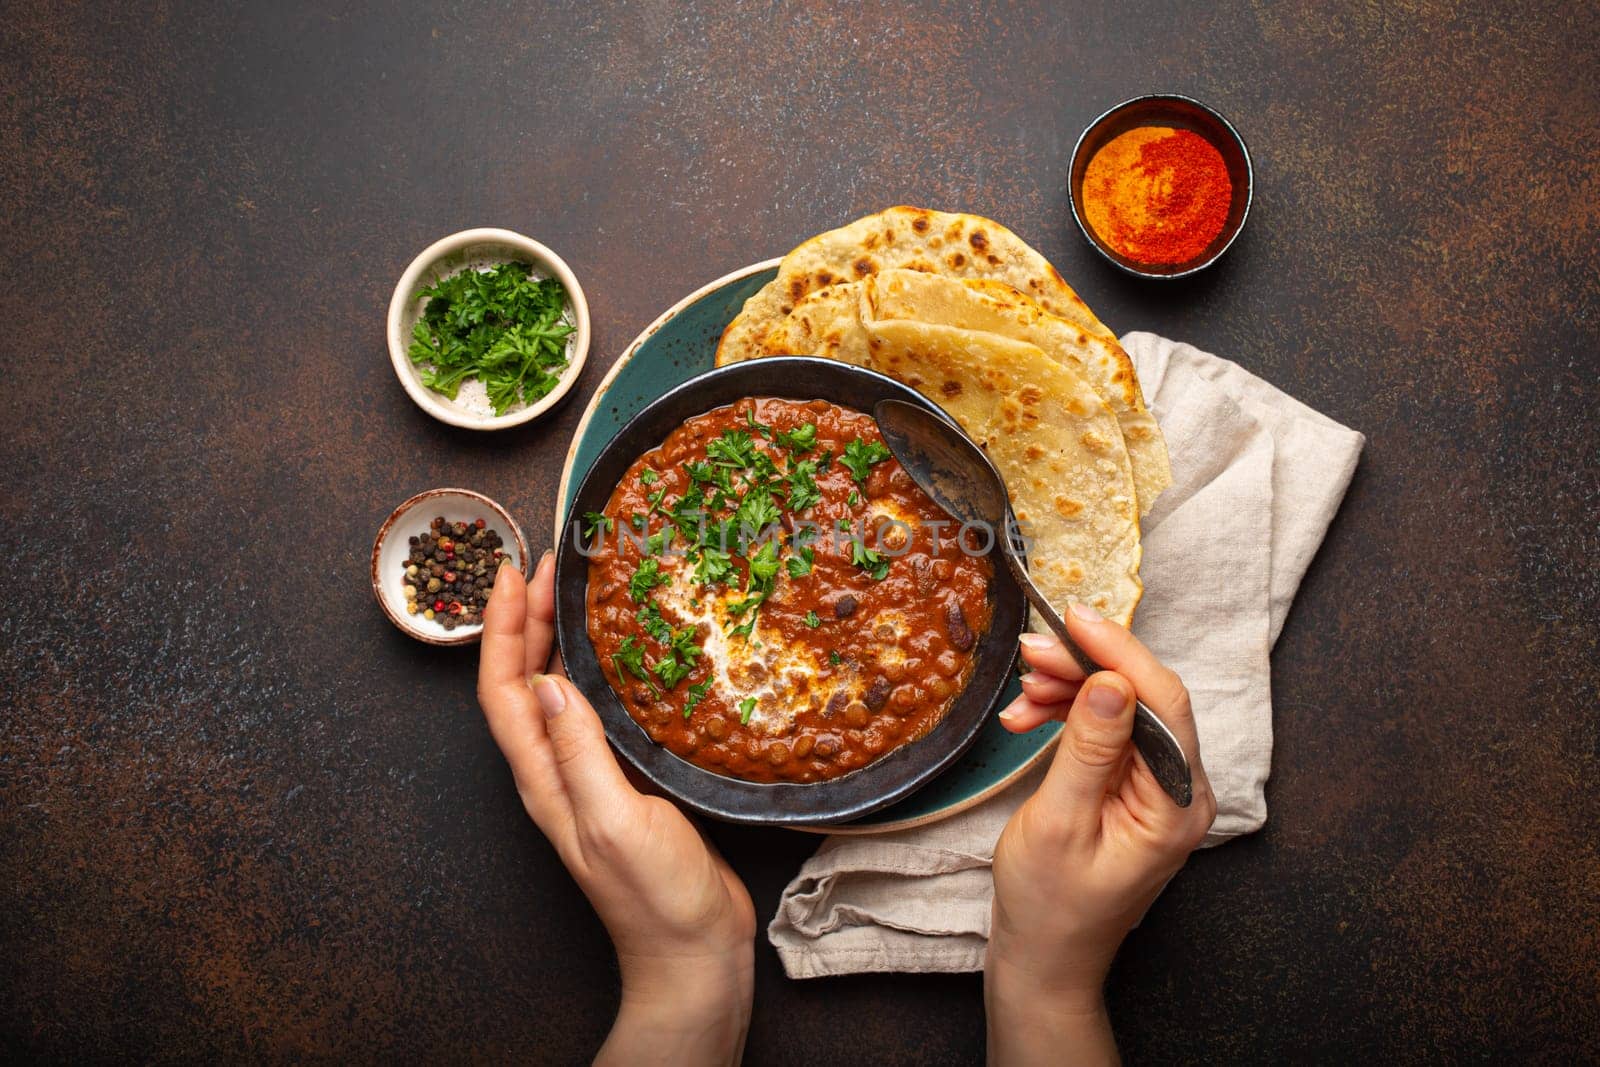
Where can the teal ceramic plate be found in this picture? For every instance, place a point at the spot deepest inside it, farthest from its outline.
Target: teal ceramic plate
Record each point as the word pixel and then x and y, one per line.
pixel 683 343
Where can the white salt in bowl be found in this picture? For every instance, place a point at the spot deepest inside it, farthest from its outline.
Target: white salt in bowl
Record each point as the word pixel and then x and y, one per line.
pixel 481 249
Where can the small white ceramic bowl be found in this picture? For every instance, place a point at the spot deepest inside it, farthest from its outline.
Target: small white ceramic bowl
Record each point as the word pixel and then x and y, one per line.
pixel 478 250
pixel 392 549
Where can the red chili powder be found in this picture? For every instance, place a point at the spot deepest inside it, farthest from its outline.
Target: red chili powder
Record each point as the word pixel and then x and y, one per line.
pixel 1157 195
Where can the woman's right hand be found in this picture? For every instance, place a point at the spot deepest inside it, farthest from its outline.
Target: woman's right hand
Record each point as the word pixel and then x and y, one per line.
pixel 1086 855
pixel 680 919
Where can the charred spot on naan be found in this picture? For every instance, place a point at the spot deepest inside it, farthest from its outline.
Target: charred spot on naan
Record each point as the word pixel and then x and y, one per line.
pixel 1067 507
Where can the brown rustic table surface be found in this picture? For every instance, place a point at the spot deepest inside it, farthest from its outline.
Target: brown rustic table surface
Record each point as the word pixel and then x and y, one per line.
pixel 243 817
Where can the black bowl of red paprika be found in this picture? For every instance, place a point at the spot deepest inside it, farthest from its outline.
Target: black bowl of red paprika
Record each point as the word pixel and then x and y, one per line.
pixel 888 778
pixel 1161 186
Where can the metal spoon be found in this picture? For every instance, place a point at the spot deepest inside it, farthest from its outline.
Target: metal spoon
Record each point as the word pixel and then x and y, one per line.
pixel 952 469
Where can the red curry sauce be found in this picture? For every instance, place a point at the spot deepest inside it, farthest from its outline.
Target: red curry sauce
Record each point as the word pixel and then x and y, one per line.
pixel 828 650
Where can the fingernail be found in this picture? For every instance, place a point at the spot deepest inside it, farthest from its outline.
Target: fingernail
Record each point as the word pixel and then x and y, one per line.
pixel 1085 612
pixel 1107 701
pixel 1037 642
pixel 547 691
pixel 506 563
pixel 547 554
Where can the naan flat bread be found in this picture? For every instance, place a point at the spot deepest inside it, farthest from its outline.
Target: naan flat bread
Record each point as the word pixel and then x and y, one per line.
pixel 831 322
pixel 961 308
pixel 1053 440
pixel 936 242
pixel 996 307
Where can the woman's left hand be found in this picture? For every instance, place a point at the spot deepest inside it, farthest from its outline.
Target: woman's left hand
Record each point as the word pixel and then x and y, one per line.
pixel 681 920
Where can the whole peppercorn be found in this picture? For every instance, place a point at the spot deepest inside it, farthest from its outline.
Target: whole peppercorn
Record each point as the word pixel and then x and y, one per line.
pixel 450 570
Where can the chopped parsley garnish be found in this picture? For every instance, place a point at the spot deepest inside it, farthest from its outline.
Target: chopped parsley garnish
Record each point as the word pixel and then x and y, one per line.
pixel 801 562
pixel 844 525
pixel 803 491
pixel 680 659
pixel 714 565
pixel 759 427
pixel 812 620
pixel 868 560
pixel 762 468
pixel 854 498
pixel 596 520
pixel 833 658
pixel 629 656
pixel 734 447
pixel 764 566
pixel 697 693
pixel 648 477
pixel 739 607
pixel 646 578
pixel 655 498
pixel 799 440
pixel 638 520
pixel 650 618
pixel 860 456
pixel 710 473
pixel 501 326
pixel 755 512
pixel 826 461
pixel 747 706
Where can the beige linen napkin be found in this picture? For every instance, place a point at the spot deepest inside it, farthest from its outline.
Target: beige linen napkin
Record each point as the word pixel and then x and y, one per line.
pixel 1256 478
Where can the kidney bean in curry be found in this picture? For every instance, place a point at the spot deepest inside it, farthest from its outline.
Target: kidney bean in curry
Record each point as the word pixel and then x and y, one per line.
pixel 802 652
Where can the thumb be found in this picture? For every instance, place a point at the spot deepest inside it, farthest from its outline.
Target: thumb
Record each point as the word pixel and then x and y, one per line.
pixel 1092 749
pixel 589 772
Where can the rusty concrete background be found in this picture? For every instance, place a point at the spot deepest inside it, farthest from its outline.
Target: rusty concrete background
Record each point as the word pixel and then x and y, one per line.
pixel 242 817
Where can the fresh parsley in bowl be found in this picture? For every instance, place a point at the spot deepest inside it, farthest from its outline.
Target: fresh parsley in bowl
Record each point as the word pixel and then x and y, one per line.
pixel 502 326
pixel 488 329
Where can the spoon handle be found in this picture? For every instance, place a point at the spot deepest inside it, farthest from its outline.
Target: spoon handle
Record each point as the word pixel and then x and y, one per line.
pixel 1155 742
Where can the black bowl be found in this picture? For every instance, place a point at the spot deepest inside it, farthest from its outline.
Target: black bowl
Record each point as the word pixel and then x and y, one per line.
pixel 1179 112
pixel 893 776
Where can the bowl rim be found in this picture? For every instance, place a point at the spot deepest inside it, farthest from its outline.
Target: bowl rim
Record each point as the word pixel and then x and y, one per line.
pixel 1111 113
pixel 721 796
pixel 621 361
pixel 405 291
pixel 471 635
